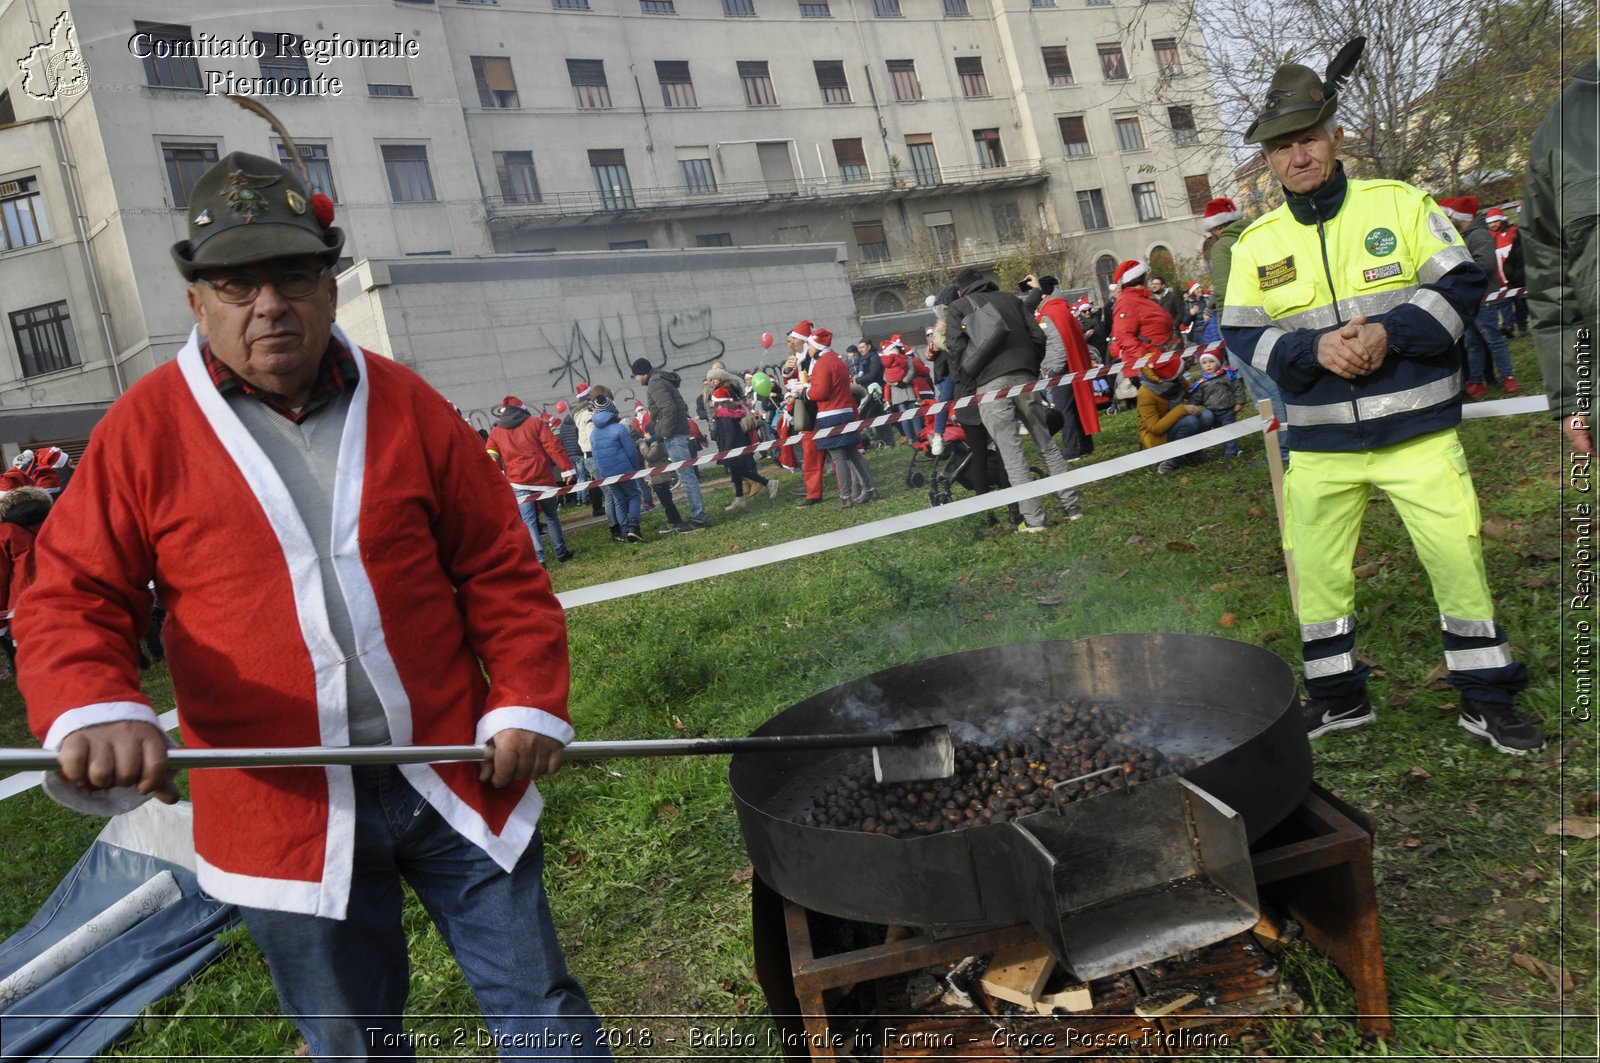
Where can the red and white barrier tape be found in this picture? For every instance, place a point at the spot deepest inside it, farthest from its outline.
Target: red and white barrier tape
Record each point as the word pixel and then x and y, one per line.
pixel 546 491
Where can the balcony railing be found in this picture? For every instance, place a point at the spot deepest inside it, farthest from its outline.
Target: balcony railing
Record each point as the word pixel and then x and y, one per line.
pixel 976 253
pixel 756 193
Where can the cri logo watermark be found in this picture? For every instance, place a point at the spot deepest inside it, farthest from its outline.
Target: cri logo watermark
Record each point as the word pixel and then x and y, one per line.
pixel 55 70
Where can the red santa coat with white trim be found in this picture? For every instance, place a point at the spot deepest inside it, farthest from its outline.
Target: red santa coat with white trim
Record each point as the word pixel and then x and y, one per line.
pixel 1065 322
pixel 437 572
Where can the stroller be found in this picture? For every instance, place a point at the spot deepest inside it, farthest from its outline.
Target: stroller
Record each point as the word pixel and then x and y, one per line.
pixel 954 466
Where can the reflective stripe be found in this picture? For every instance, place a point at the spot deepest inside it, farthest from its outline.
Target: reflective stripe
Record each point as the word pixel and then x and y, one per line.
pixel 1318 317
pixel 1235 316
pixel 1418 398
pixel 1374 407
pixel 1321 669
pixel 1431 271
pixel 1327 629
pixel 1441 311
pixel 1263 352
pixel 1467 629
pixel 1376 304
pixel 1473 660
pixel 1310 416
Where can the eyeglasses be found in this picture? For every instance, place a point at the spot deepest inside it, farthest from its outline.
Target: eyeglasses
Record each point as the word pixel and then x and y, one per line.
pixel 243 288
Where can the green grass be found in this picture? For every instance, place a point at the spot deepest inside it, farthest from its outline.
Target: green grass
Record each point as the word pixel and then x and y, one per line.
pixel 647 871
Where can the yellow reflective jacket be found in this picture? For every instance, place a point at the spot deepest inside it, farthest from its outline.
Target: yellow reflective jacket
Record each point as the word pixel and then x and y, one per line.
pixel 1379 249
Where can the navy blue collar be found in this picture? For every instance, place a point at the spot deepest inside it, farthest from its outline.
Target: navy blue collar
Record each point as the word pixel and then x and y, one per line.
pixel 1321 204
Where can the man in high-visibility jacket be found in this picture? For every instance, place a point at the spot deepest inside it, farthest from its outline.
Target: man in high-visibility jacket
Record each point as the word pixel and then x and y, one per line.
pixel 1352 296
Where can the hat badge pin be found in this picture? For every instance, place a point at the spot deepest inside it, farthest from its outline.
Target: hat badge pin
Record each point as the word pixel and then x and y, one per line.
pixel 296 201
pixel 242 195
pixel 204 217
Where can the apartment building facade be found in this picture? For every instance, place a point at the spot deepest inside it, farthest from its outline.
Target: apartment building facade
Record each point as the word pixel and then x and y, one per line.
pixel 919 134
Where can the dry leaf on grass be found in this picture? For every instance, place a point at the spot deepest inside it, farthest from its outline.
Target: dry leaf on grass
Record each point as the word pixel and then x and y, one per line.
pixel 1417 774
pixel 1186 604
pixel 1559 978
pixel 1256 511
pixel 1575 827
pixel 1228 620
pixel 1218 588
pixel 1377 669
pixel 1365 571
pixel 1182 548
pixel 742 875
pixel 1134 538
pixel 1438 679
pixel 1051 599
pixel 1495 528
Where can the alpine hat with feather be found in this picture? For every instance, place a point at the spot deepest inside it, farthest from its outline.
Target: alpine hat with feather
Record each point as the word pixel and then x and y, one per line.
pixel 247 209
pixel 1298 98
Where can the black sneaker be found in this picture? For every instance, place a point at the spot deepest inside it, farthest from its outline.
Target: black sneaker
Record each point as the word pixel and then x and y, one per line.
pixel 689 526
pixel 1325 715
pixel 568 556
pixel 1501 726
pixel 633 537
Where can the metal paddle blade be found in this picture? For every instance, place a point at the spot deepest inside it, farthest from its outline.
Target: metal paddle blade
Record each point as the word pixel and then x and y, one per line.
pixel 917 753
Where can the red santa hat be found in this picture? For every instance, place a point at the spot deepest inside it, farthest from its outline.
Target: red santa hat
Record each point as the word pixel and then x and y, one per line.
pixel 1220 211
pixel 1494 214
pixel 583 389
pixel 1131 270
pixel 722 394
pixel 1460 208
pixel 52 457
pixel 510 401
pixel 802 331
pixel 1194 288
pixel 821 339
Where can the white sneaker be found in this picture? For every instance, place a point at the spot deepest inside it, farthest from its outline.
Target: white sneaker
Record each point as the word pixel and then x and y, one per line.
pixel 738 503
pixel 936 444
pixel 772 488
pixel 1030 529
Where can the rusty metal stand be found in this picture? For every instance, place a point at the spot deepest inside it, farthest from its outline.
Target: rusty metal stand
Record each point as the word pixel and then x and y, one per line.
pixel 1317 863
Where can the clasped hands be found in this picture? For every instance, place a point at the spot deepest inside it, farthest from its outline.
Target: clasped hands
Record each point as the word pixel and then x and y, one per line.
pixel 1358 348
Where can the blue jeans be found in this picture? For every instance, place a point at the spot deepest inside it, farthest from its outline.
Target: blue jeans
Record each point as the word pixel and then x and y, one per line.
pixel 343 982
pixel 1231 447
pixel 1484 332
pixel 1262 387
pixel 606 494
pixel 628 504
pixel 1192 424
pixel 530 508
pixel 947 391
pixel 688 476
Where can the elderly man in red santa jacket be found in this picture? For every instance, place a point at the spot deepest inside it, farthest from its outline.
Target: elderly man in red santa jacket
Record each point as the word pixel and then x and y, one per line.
pixel 1139 326
pixel 340 567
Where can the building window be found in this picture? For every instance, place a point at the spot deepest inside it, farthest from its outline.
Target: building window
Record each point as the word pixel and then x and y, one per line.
pixel 629 245
pixel 407 168
pixel 22 219
pixel 887 302
pixel 698 180
pixel 518 181
pixel 570 5
pixel 497 89
pixel 677 90
pixel 1112 64
pixel 990 153
pixel 1041 3
pixel 171 71
pixel 319 167
pixel 814 10
pixel 852 160
pixel 1074 135
pixel 924 161
pixel 185 164
pixel 871 241
pixel 8 113
pixel 1167 60
pixel 758 91
pixel 1007 221
pixel 44 338
pixel 1199 189
pixel 942 232
pixel 387 76
pixel 1129 136
pixel 1145 201
pixel 611 179
pixel 831 80
pixel 1092 208
pixel 903 75
pixel 973 83
pixel 886 8
pixel 657 7
pixel 956 9
pixel 1182 121
pixel 739 8
pixel 283 63
pixel 1105 267
pixel 714 240
pixel 1057 67
pixel 588 78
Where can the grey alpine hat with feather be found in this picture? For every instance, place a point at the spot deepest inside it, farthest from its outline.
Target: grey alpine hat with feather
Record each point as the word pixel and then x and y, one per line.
pixel 1299 99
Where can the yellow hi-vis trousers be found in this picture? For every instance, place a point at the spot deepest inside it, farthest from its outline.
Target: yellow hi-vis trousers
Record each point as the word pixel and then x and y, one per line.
pixel 1325 498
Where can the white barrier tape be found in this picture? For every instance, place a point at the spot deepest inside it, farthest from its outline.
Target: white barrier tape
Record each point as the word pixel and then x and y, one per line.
pixel 918 411
pixel 926 518
pixel 1504 293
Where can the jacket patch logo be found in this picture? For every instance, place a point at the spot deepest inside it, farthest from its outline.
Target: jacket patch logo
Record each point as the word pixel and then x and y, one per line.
pixel 1441 227
pixel 1377 273
pixel 1380 242
pixel 1274 274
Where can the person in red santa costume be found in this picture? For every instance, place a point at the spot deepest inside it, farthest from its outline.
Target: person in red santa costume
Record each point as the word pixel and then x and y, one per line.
pixel 829 388
pixel 1139 326
pixel 528 452
pixel 796 375
pixel 341 567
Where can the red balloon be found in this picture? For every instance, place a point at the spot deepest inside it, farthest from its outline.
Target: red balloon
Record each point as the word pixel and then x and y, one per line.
pixel 766 341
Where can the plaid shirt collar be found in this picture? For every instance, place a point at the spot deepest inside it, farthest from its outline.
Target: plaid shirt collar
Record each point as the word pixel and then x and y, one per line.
pixel 337 374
